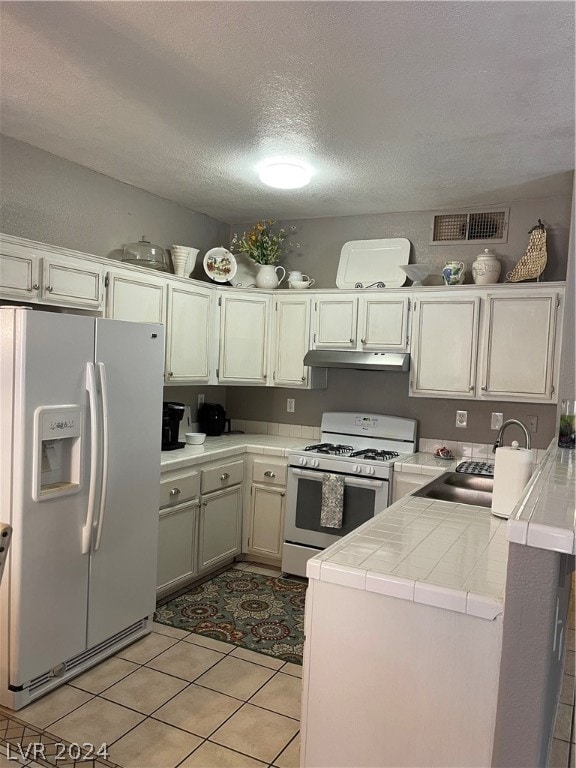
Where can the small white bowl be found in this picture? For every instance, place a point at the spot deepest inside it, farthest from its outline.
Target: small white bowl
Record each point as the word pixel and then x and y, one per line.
pixel 299 285
pixel 195 438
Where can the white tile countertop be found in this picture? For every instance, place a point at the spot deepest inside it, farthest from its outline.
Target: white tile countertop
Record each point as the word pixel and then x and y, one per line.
pixel 451 555
pixel 229 445
pixel 545 517
pixel 437 553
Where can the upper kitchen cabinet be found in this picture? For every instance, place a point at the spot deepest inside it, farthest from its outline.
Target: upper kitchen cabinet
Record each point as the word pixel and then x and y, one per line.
pixel 384 323
pixel 243 348
pixel 188 334
pixel 40 275
pixel 364 322
pixel 444 346
pixel 20 270
pixel 501 345
pixel 132 295
pixel 335 322
pixel 520 343
pixel 290 341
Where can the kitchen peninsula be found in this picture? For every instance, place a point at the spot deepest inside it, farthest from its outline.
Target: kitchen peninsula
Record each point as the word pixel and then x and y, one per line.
pixel 451 647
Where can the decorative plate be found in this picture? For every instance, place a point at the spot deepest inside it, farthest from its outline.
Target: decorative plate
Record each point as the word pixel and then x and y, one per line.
pixel 220 265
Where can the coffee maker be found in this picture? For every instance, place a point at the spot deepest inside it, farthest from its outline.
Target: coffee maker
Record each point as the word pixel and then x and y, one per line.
pixel 172 414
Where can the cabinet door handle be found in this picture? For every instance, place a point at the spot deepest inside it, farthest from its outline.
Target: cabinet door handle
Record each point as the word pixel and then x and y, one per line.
pixel 363 341
pixel 484 388
pixel 224 476
pixel 35 287
pixel 303 378
pixel 268 473
pixel 174 491
pixel 351 341
pixel 170 373
pixel 49 288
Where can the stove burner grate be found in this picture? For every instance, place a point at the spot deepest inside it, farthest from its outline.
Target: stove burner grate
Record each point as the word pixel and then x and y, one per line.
pixel 370 454
pixel 329 448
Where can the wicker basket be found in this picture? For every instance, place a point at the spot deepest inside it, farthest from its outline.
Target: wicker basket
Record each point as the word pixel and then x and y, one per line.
pixel 532 264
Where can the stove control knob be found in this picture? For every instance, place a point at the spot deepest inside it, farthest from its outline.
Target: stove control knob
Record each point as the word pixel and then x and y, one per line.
pixel 357 468
pixel 370 470
pixel 302 461
pixel 314 462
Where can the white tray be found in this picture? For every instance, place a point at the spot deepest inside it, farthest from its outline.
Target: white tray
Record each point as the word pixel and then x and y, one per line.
pixel 364 262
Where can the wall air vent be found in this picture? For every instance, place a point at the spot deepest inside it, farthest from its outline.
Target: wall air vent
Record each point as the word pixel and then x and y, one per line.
pixel 488 225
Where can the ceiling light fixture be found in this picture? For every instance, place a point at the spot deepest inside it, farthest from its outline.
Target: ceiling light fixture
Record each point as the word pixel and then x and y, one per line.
pixel 285 174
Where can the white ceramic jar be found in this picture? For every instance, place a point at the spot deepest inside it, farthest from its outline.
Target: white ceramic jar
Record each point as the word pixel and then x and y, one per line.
pixel 486 268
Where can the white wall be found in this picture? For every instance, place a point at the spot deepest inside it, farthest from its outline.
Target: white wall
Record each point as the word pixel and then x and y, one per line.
pixel 321 240
pixel 46 198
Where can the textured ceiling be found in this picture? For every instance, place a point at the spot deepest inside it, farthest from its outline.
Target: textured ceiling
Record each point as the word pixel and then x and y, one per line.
pixel 398 105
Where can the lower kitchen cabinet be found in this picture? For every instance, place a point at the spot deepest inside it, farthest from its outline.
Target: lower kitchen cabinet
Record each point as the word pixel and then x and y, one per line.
pixel 266 521
pixel 176 544
pixel 264 516
pixel 177 530
pixel 220 528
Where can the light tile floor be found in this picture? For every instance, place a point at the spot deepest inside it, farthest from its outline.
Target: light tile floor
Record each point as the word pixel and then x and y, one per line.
pixel 175 699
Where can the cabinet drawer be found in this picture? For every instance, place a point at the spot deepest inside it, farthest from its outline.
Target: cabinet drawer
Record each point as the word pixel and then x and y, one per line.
pixel 269 473
pixel 222 477
pixel 179 488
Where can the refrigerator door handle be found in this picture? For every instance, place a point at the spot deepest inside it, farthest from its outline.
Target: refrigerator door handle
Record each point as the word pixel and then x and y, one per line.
pixel 92 400
pixel 105 452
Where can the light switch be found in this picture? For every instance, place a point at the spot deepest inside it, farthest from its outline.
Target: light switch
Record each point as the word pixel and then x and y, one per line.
pixel 290 403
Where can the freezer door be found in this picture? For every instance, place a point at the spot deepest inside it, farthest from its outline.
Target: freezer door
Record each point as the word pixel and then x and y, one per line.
pixel 129 363
pixel 45 586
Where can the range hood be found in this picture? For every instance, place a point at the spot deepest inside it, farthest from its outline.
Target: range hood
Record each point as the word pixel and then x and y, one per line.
pixel 368 361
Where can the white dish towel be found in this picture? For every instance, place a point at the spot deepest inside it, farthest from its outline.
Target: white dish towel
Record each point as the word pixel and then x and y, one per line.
pixel 332 501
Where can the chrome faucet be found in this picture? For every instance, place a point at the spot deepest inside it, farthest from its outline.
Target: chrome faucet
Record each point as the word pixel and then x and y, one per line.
pixel 498 441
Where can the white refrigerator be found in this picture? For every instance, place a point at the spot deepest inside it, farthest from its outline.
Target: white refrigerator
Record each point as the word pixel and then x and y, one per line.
pixel 80 436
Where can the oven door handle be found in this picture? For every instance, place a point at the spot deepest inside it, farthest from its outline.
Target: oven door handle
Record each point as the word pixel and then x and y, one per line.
pixel 319 476
pixel 362 483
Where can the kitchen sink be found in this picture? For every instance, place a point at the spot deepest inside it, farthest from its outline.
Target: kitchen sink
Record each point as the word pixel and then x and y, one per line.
pixel 459 488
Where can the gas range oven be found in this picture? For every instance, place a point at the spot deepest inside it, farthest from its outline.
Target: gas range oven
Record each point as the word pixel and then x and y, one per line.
pixel 361 449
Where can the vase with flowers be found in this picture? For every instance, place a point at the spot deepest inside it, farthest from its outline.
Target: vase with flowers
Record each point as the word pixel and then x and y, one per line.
pixel 263 246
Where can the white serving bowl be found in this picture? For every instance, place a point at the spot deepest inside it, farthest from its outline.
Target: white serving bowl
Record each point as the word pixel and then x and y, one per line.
pixel 300 284
pixel 195 438
pixel 417 272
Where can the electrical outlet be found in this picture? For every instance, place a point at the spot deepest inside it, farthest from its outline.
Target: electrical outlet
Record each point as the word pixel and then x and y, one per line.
pixel 532 423
pixel 461 418
pixel 290 404
pixel 200 400
pixel 497 420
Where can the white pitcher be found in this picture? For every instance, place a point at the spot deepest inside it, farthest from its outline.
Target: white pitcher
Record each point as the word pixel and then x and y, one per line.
pixel 267 276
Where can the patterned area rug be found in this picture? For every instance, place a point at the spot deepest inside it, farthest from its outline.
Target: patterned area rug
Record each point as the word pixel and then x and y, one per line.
pixel 261 613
